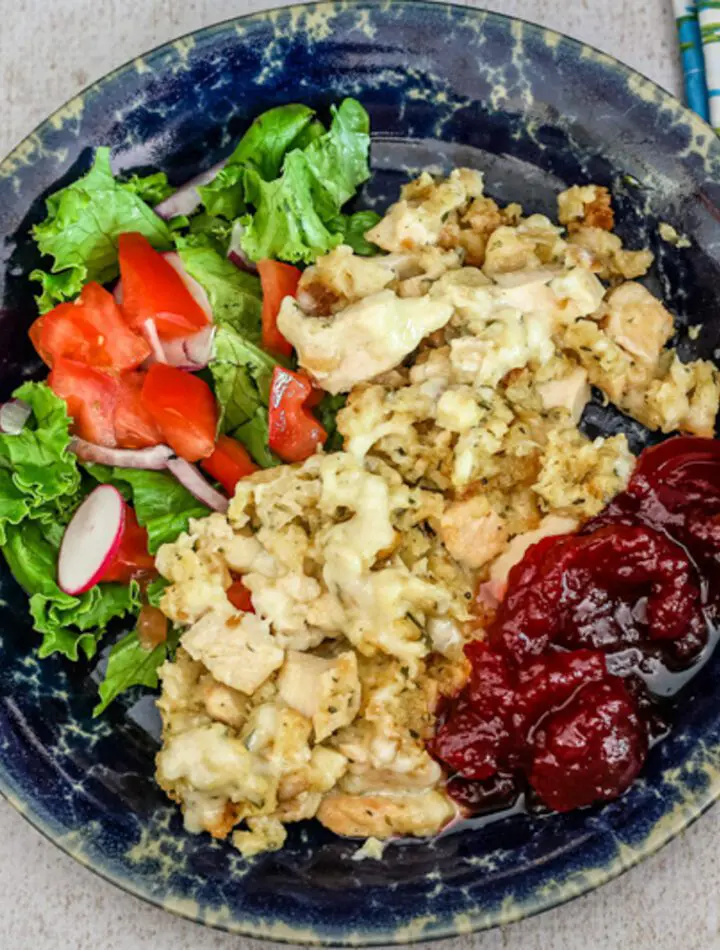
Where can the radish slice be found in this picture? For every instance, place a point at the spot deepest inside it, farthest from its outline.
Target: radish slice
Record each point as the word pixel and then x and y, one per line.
pixel 186 199
pixel 151 335
pixel 235 251
pixel 196 289
pixel 152 459
pixel 13 416
pixel 91 540
pixel 190 478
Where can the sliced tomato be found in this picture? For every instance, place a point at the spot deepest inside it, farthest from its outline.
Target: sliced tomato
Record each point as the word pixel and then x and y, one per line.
pixel 278 281
pixel 121 347
pixel 35 334
pixel 153 289
pixel 294 432
pixel 132 559
pixel 90 330
pixel 91 398
pixel 62 332
pixel 135 428
pixel 229 463
pixel 240 597
pixel 184 409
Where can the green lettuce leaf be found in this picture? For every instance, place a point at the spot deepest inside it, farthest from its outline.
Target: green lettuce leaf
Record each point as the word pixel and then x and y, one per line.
pixel 38 476
pixel 13 503
pixel 155 589
pixel 296 215
pixel 254 435
pixel 235 296
pixel 296 176
pixel 161 503
pixel 70 625
pixel 353 228
pixel 178 222
pixel 224 196
pixel 327 414
pixel 82 226
pixel 270 137
pixel 206 231
pixel 55 288
pixel 311 132
pixel 242 374
pixel 263 147
pixel 152 189
pixel 131 664
pixel 286 225
pixel 338 160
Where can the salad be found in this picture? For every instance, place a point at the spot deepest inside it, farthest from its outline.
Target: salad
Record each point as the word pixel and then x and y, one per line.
pixel 331 467
pixel 157 325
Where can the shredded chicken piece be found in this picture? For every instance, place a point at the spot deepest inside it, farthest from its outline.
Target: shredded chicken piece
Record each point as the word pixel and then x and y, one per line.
pixel 237 649
pixel 586 204
pixel 380 816
pixel 473 531
pixel 572 392
pixel 603 252
pixel 638 322
pixel 367 338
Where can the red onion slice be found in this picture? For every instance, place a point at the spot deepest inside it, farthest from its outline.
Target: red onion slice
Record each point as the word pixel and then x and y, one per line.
pixel 174 351
pixel 13 416
pixel 155 458
pixel 196 289
pixel 190 478
pixel 199 347
pixel 187 198
pixel 235 253
pixel 191 353
pixel 151 335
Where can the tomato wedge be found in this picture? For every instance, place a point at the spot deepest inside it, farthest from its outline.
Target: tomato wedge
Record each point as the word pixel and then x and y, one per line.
pixel 153 289
pixel 240 597
pixel 294 432
pixel 135 428
pixel 90 330
pixel 229 463
pixel 278 281
pixel 35 334
pixel 132 559
pixel 91 398
pixel 184 409
pixel 63 332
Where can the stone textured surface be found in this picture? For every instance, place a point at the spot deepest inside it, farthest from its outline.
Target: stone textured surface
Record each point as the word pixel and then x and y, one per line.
pixel 47 53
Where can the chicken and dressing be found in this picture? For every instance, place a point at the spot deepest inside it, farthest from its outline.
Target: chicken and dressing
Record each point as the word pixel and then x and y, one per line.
pixel 467 352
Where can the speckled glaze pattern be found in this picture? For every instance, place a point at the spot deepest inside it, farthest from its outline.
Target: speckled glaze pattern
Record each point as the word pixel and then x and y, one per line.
pixel 444 85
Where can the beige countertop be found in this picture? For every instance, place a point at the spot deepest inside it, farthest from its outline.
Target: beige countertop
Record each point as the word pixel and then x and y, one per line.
pixel 50 49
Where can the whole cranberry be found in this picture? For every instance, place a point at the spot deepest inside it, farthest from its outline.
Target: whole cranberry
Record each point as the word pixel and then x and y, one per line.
pixel 590 750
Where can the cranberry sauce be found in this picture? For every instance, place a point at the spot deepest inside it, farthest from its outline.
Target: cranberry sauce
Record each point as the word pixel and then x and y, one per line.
pixel 595 627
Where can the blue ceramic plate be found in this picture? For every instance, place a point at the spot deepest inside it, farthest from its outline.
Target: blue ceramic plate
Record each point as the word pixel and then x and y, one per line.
pixel 444 86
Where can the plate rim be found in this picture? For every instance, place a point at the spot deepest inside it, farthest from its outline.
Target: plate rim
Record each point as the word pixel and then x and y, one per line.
pixel 446 927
